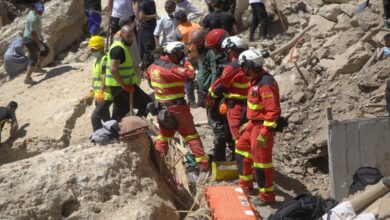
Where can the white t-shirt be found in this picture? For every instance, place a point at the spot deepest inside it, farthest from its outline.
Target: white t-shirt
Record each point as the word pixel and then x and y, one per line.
pixel 166 25
pixel 122 9
pixel 256 1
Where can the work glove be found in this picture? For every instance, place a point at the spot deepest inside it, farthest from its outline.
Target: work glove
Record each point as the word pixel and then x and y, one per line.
pixel 209 102
pixel 223 108
pixel 129 88
pixel 99 96
pixel 88 100
pixel 263 137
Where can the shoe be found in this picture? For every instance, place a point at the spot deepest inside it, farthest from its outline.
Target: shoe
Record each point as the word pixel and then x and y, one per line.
pixel 257 201
pixel 193 104
pixel 29 81
pixel 387 23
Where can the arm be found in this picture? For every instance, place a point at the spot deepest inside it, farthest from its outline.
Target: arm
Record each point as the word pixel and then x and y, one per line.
pixel 270 97
pixel 235 29
pixel 195 13
pixel 114 68
pixel 222 83
pixel 143 17
pixel 103 81
pixel 14 129
pixel 232 7
pixel 157 31
pixel 110 6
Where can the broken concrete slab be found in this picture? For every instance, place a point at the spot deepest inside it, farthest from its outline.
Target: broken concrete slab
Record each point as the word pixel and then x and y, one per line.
pixel 330 12
pixel 323 25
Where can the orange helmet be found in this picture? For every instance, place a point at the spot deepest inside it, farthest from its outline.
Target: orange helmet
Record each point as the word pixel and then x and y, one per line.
pixel 215 38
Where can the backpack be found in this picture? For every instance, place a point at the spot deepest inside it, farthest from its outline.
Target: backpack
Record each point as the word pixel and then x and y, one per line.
pixel 364 176
pixel 304 207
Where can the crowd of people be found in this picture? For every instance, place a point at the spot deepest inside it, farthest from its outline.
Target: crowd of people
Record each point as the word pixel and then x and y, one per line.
pixel 177 55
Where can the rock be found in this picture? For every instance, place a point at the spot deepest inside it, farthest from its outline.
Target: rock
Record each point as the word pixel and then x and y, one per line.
pixel 322 52
pixel 366 20
pixel 343 22
pixel 323 25
pixel 335 1
pixel 86 182
pixel 347 9
pixel 330 12
pixel 296 118
pixel 350 61
pixel 62 25
pixel 298 97
pixel 286 83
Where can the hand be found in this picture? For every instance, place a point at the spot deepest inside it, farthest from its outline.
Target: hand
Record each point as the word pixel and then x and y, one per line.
pixel 209 102
pixel 89 98
pixel 263 137
pixel 99 96
pixel 243 127
pixel 129 88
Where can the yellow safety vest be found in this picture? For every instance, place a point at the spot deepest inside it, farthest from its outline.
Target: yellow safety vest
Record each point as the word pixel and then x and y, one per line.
pixel 126 69
pixel 97 78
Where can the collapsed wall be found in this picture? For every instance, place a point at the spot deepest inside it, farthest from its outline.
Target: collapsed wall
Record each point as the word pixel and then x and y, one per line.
pixel 86 182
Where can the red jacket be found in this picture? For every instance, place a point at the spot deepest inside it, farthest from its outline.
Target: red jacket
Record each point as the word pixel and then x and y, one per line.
pixel 168 79
pixel 263 100
pixel 233 84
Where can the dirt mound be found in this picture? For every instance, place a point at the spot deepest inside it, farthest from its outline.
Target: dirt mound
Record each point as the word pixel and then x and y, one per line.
pixel 86 182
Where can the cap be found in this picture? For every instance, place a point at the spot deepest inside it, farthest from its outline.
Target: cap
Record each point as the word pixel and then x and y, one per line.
pixel 39 6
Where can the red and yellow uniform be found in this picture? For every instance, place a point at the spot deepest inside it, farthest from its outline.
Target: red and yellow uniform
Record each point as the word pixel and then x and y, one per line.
pixel 168 81
pixel 234 85
pixel 254 148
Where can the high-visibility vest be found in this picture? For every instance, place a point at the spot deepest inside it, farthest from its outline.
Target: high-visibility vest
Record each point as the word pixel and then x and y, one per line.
pixel 263 101
pixel 126 69
pixel 167 84
pixel 97 78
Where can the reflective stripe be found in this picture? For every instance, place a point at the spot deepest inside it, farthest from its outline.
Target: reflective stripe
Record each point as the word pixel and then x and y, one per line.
pixel 167 85
pixel 262 165
pixel 255 106
pixel 204 157
pixel 270 124
pixel 97 79
pixel 241 85
pixel 123 77
pixel 264 190
pixel 96 88
pixel 243 153
pixel 162 138
pixel 247 177
pixel 212 94
pixel 169 97
pixel 235 96
pixel 191 137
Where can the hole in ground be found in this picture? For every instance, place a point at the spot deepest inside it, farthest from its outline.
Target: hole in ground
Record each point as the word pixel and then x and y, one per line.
pixel 321 163
pixel 67 208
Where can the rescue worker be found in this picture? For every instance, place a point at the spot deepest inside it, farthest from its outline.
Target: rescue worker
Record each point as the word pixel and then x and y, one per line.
pixel 254 148
pixel 100 92
pixel 168 80
pixel 121 78
pixel 233 85
pixel 218 122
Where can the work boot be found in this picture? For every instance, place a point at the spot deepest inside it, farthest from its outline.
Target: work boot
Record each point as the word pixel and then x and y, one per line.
pixel 193 104
pixel 29 81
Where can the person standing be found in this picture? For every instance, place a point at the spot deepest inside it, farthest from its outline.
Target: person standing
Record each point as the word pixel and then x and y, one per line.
pixel 220 19
pixel 254 148
pixel 14 59
pixel 120 9
pixel 233 85
pixel 259 16
pixel 185 29
pixel 7 114
pixel 93 9
pixel 121 77
pixel 166 25
pixel 101 93
pixel 147 23
pixel 33 40
pixel 190 10
pixel 386 10
pixel 168 77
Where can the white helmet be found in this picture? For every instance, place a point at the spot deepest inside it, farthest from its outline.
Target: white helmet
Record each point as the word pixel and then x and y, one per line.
pixel 233 42
pixel 252 58
pixel 173 47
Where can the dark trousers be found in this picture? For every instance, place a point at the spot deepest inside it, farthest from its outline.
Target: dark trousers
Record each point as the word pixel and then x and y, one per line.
pixel 122 102
pixel 190 90
pixel 221 132
pixel 146 46
pixel 101 113
pixel 259 16
pixel 386 8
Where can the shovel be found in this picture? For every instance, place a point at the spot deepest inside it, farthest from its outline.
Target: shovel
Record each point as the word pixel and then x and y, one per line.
pixel 360 8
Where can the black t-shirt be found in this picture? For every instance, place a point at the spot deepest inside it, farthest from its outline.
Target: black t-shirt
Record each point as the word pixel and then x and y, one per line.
pixel 117 53
pixel 5 115
pixel 148 7
pixel 219 19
